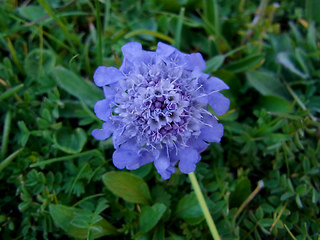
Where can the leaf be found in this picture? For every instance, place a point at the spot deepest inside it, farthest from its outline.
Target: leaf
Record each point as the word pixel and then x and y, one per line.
pixel 188 208
pixel 274 104
pixel 285 60
pixel 76 86
pixel 267 84
pixel 63 217
pixel 150 216
pixel 127 186
pixel 242 191
pixel 32 12
pixel 39 61
pixel 70 141
pixel 248 63
pixel 214 63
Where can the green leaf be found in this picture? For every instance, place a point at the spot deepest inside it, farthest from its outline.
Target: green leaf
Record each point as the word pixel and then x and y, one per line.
pixel 39 61
pixel 76 86
pixel 63 217
pixel 274 104
pixel 70 141
pixel 214 63
pixel 188 208
pixel 127 186
pixel 266 83
pixel 285 59
pixel 242 191
pixel 150 216
pixel 32 12
pixel 248 63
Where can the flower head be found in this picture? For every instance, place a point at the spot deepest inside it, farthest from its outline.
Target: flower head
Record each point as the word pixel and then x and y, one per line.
pixel 155 108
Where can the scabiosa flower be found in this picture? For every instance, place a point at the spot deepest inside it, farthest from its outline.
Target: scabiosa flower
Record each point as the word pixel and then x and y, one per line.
pixel 155 107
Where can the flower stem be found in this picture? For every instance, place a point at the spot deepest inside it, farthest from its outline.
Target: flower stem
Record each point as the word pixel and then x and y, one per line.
pixel 204 207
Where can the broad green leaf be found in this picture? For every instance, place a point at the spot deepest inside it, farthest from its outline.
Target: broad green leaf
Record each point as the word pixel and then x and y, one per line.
pixel 127 186
pixel 285 60
pixel 266 83
pixel 70 141
pixel 77 86
pixel 274 104
pixel 150 216
pixel 242 191
pixel 188 208
pixel 214 63
pixel 64 215
pixel 248 63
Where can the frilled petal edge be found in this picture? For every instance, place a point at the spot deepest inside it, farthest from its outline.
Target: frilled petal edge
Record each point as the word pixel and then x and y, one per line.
pixel 165 50
pixel 106 75
pixel 212 134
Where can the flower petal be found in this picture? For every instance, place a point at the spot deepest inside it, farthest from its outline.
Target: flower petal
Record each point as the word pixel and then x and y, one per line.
pixel 125 158
pixel 188 159
pixel 215 84
pixel 165 50
pixel 106 75
pixel 195 60
pixel 131 49
pixel 104 133
pixel 102 109
pixel 213 133
pixel 198 144
pixel 219 103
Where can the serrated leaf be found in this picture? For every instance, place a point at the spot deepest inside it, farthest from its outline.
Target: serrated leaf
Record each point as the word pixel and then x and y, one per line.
pixel 127 186
pixel 150 216
pixel 76 86
pixel 63 217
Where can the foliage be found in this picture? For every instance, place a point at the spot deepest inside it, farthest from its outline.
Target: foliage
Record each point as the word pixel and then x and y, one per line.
pixel 58 182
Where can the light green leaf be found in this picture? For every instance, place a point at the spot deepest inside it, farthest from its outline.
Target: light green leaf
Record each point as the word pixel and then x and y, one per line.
pixel 150 216
pixel 214 63
pixel 76 86
pixel 127 186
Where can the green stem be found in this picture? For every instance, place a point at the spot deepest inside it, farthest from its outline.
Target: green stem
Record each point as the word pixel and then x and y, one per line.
pixel 204 207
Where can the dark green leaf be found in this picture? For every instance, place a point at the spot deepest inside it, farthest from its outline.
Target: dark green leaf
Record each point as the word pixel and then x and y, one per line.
pixel 127 186
pixel 248 63
pixel 242 191
pixel 266 84
pixel 150 216
pixel 70 141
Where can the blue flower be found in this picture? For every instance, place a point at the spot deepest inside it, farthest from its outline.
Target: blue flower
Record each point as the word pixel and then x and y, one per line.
pixel 155 108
